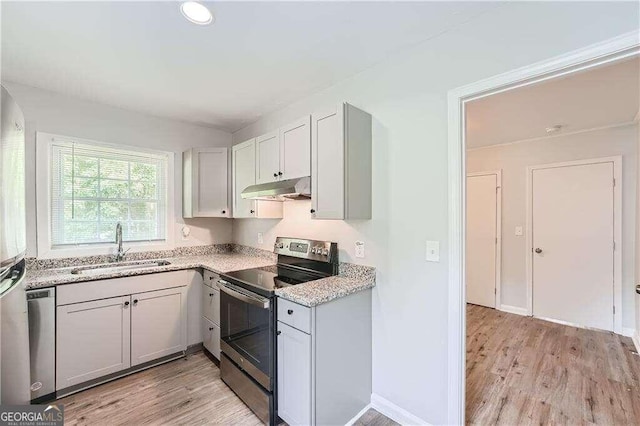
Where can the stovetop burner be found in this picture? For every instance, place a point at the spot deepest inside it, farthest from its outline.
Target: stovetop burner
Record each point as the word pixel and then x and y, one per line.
pixel 299 261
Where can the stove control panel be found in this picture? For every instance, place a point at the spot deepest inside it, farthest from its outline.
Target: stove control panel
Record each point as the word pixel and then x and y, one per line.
pixel 324 251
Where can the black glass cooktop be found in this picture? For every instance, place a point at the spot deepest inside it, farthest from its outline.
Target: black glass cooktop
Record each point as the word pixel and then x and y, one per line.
pixel 265 280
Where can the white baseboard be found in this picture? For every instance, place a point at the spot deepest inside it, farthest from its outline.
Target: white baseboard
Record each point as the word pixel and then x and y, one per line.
pixel 629 332
pixel 357 416
pixel 514 310
pixel 636 340
pixel 395 413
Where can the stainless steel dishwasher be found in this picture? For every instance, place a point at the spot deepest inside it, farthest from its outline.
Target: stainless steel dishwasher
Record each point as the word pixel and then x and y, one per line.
pixel 41 305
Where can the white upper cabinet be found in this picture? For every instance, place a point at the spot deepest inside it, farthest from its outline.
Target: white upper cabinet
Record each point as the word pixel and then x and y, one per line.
pixel 243 163
pixel 267 157
pixel 295 149
pixel 205 183
pixel 284 154
pixel 244 167
pixel 341 163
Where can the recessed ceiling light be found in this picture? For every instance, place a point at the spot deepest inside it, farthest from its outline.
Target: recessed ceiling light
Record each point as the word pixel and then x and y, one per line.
pixel 196 12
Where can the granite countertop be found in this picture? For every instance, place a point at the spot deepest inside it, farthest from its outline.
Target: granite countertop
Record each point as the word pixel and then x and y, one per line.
pixel 219 263
pixel 351 279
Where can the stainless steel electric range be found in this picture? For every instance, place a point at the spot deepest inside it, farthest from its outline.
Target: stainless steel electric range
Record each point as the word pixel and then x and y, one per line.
pixel 248 322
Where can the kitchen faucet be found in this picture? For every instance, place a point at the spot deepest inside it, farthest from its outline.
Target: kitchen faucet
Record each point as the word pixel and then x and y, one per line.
pixel 121 253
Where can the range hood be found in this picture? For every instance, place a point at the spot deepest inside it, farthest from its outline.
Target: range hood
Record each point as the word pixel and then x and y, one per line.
pixel 292 189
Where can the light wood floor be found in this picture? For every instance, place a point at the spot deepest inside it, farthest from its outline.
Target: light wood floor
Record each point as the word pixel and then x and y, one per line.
pixel 522 370
pixel 183 392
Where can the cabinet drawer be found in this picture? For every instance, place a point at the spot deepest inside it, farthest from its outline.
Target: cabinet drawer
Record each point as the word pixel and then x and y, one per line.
pixel 211 304
pixel 210 278
pixel 211 337
pixel 297 316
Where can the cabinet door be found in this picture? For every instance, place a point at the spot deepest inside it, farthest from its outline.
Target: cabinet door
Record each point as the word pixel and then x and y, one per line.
pixel 267 158
pixel 327 159
pixel 243 166
pixel 294 375
pixel 211 337
pixel 295 149
pixel 210 193
pixel 92 340
pixel 211 304
pixel 158 324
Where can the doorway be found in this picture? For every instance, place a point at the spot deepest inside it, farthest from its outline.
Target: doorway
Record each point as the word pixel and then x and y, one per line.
pixel 591 58
pixel 484 235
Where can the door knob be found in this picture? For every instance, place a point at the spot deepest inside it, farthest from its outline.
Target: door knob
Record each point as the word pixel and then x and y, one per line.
pixel 538 250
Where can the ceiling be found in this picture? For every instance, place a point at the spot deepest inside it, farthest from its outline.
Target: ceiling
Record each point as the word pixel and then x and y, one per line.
pixel 256 58
pixel 600 97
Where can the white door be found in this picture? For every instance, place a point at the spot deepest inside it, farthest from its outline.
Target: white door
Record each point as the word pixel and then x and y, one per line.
pixel 243 164
pixel 158 324
pixel 295 149
pixel 327 159
pixel 267 157
pixel 573 234
pixel 210 183
pixel 92 340
pixel 482 239
pixel 294 375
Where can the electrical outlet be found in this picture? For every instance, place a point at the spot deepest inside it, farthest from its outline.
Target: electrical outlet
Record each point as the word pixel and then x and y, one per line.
pixel 186 231
pixel 360 249
pixel 260 238
pixel 433 251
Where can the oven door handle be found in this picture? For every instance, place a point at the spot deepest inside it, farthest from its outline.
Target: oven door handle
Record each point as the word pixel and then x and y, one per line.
pixel 260 302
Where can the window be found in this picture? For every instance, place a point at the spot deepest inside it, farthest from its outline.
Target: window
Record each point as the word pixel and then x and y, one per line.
pixel 95 186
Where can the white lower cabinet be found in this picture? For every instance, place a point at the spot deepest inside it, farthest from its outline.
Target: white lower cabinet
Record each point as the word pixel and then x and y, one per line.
pixel 294 375
pixel 324 360
pixel 211 313
pixel 211 337
pixel 158 324
pixel 134 320
pixel 92 340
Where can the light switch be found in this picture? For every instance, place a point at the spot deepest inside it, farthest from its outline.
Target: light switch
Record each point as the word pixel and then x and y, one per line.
pixel 260 238
pixel 519 231
pixel 433 251
pixel 360 249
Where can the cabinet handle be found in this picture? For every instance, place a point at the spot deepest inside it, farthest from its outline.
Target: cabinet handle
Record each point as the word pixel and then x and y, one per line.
pixel 210 328
pixel 313 210
pixel 252 211
pixel 126 303
pixel 275 175
pixel 279 332
pixel 135 301
pixel 290 311
pixel 279 173
pixel 210 294
pixel 224 211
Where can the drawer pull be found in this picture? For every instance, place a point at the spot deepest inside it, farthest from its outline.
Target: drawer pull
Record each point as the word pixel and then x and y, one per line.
pixel 210 328
pixel 290 311
pixel 210 294
pixel 279 332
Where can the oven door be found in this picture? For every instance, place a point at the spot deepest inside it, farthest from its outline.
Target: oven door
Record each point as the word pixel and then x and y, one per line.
pixel 247 331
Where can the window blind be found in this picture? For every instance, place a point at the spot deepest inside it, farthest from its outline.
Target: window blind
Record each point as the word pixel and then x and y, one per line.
pixel 93 187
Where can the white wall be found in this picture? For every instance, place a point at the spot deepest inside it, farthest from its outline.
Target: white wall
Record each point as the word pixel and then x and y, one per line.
pixel 406 96
pixel 50 112
pixel 513 160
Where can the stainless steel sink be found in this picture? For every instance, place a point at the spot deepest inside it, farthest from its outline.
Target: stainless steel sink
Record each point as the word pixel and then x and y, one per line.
pixel 106 268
